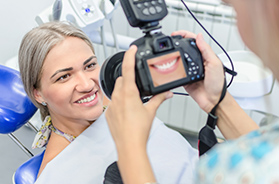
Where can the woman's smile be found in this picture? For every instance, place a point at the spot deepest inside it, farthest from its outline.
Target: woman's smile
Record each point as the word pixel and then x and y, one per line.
pixel 88 100
pixel 166 66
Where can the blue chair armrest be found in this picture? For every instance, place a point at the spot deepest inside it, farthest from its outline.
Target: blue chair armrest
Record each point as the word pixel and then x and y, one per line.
pixel 28 171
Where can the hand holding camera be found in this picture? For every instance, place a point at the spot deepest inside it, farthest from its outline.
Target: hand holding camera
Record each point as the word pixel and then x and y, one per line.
pixel 207 92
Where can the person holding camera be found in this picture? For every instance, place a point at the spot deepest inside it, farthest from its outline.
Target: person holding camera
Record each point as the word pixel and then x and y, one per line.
pixel 251 153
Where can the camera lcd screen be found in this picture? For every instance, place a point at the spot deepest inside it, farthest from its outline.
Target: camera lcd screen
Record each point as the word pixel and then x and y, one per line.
pixel 166 68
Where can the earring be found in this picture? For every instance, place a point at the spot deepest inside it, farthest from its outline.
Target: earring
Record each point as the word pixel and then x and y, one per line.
pixel 44 103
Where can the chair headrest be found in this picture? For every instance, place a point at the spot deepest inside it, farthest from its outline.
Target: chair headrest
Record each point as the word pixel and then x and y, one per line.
pixel 15 106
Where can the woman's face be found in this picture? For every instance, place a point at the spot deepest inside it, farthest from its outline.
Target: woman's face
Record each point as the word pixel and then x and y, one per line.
pixel 70 82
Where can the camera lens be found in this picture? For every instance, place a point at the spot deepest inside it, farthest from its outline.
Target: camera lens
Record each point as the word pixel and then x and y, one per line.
pixel 110 71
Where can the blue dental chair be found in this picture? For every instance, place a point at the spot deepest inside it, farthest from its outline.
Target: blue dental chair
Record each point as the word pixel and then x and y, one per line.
pixel 15 110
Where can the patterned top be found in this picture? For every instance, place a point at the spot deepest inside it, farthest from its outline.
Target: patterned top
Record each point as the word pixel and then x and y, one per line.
pixel 253 158
pixel 42 137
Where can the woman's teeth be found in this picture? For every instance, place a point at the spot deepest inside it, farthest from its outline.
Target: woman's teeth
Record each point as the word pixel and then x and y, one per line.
pixel 166 66
pixel 89 99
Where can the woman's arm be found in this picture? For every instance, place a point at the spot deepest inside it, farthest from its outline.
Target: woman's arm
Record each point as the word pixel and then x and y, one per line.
pixel 232 119
pixel 130 122
pixel 134 164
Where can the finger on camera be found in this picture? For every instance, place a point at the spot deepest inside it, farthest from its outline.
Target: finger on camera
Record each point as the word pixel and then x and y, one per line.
pixel 128 65
pixel 157 100
pixel 118 86
pixel 205 49
pixel 184 34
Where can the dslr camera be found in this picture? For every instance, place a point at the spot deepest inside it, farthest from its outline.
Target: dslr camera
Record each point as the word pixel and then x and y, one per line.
pixel 162 62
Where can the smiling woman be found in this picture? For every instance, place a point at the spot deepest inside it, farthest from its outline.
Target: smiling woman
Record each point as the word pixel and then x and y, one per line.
pixel 71 80
pixel 60 73
pixel 66 85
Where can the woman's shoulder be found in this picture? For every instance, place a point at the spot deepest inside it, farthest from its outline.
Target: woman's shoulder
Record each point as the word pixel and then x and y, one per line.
pixel 56 145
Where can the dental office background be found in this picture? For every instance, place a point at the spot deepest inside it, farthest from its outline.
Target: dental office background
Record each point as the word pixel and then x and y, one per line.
pixel 254 86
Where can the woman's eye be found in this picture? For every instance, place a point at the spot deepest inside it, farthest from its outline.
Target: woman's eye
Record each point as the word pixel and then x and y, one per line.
pixel 63 77
pixel 91 66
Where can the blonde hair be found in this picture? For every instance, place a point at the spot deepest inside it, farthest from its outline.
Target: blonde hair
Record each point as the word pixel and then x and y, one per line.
pixel 34 48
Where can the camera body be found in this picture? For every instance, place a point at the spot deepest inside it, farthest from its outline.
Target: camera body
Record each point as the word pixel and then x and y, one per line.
pixel 162 62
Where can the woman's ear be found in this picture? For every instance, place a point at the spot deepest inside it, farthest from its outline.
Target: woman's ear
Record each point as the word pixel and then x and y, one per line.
pixel 38 96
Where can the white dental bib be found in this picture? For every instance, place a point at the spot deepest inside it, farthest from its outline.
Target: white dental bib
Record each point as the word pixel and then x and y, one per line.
pixel 86 159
